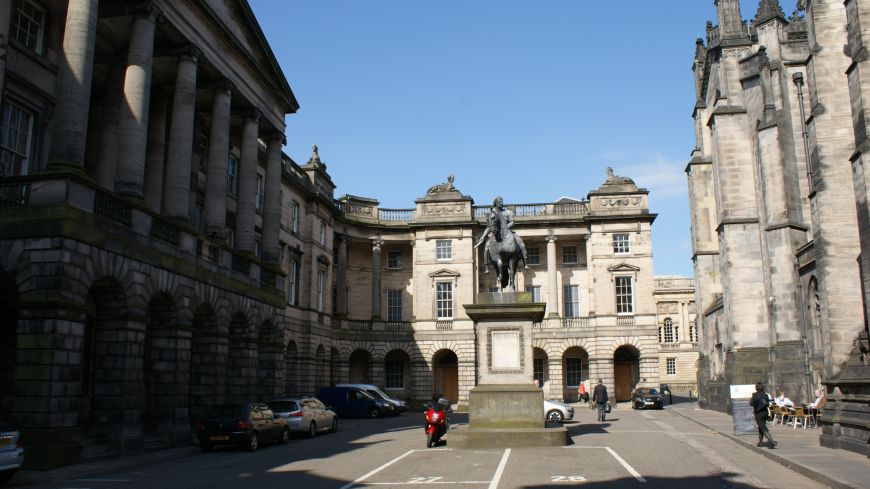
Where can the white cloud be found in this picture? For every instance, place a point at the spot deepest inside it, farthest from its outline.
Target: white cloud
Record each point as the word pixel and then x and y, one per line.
pixel 665 178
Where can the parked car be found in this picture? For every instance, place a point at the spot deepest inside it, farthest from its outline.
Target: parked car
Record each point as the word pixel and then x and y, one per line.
pixel 353 401
pixel 305 415
pixel 245 425
pixel 645 397
pixel 11 453
pixel 557 412
pixel 401 406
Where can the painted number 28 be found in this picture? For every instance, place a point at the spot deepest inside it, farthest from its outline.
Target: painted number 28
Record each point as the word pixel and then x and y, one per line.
pixel 567 478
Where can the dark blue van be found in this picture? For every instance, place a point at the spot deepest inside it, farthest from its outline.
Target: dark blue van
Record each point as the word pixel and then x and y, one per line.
pixel 353 401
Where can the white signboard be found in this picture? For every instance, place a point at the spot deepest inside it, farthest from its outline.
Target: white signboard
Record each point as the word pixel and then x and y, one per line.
pixel 744 391
pixel 505 350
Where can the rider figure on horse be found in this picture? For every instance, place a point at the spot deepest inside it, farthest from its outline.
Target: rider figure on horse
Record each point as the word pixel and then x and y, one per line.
pixel 506 216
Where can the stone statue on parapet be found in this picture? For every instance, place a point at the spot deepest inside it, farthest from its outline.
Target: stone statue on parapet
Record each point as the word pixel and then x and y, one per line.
pixel 504 249
pixel 616 179
pixel 442 187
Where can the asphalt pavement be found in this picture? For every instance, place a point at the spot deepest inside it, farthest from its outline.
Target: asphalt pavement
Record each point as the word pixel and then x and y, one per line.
pixel 631 449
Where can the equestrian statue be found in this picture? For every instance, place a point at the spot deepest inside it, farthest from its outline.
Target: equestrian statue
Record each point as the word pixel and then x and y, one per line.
pixel 504 249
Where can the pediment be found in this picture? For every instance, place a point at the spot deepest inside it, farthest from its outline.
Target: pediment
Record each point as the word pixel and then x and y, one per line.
pixel 623 267
pixel 444 273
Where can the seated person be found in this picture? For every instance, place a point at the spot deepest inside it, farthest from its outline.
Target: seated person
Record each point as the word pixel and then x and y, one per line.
pixel 820 401
pixel 783 401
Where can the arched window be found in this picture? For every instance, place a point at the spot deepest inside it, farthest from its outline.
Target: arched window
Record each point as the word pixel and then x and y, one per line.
pixel 671 332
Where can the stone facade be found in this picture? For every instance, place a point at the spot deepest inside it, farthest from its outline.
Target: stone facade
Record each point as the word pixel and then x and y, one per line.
pixel 164 256
pixel 775 230
pixel 678 332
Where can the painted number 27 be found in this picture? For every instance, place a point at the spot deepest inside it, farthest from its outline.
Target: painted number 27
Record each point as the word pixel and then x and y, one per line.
pixel 567 478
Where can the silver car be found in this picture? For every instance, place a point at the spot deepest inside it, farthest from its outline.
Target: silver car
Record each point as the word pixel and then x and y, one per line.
pixel 557 412
pixel 305 415
pixel 11 453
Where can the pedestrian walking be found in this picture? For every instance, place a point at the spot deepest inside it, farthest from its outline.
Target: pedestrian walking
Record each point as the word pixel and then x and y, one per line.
pixel 760 403
pixel 599 397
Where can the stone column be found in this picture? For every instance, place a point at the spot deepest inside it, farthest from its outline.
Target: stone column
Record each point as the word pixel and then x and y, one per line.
pixel 273 201
pixel 341 276
pixel 156 155
pixel 133 124
pixel 552 278
pixel 376 278
pixel 218 155
pixel 180 149
pixel 74 74
pixel 246 205
pixel 590 275
pixel 108 155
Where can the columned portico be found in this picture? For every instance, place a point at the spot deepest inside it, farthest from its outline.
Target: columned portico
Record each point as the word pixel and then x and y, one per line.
pixel 376 278
pixel 156 150
pixel 74 75
pixel 552 278
pixel 181 137
pixel 246 206
pixel 272 199
pixel 107 158
pixel 218 156
pixel 133 125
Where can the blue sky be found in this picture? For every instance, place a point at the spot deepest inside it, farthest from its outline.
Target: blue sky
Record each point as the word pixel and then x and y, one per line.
pixel 528 100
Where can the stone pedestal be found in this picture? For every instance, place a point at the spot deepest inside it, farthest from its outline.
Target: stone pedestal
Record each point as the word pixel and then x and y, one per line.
pixel 505 408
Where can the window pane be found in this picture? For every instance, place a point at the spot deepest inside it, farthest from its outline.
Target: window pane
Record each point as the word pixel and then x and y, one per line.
pixel 443 249
pixel 621 243
pixel 394 374
pixel 536 292
pixel 16 125
pixel 394 260
pixel 293 272
pixel 624 301
pixel 444 300
pixel 571 301
pixel 569 255
pixel 534 255
pixel 573 371
pixel 394 305
pixel 538 364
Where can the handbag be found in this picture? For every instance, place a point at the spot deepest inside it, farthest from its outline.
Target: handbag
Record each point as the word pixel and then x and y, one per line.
pixel 607 408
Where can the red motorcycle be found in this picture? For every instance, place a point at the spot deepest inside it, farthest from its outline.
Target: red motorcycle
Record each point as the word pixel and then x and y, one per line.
pixel 436 422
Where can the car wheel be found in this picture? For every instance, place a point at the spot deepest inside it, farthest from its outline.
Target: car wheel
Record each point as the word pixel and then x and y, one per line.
pixel 374 413
pixel 312 430
pixel 285 436
pixel 253 442
pixel 555 416
pixel 206 447
pixel 334 427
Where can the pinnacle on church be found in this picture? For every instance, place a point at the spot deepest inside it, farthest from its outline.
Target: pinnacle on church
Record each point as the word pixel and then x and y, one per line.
pixel 767 11
pixel 315 157
pixel 731 24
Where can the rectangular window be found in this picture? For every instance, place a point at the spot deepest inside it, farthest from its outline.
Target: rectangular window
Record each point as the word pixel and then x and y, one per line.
pixel 198 217
pixel 321 283
pixel 232 174
pixel 693 332
pixel 536 292
pixel 258 248
pixel 394 260
pixel 28 27
pixel 394 373
pixel 573 372
pixel 672 366
pixel 538 370
pixel 624 298
pixel 293 286
pixel 569 255
pixel 294 217
pixel 572 301
pixel 444 300
pixel 621 244
pixel 231 237
pixel 322 233
pixel 534 255
pixel 258 202
pixel 394 305
pixel 16 133
pixel 444 249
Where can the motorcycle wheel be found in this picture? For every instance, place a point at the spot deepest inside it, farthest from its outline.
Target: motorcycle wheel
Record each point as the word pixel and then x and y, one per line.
pixel 430 440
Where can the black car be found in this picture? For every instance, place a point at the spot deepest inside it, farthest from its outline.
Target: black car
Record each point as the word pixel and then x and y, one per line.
pixel 646 397
pixel 244 425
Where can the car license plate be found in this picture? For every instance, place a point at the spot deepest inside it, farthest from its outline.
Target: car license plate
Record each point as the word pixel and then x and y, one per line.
pixel 219 438
pixel 649 402
pixel 6 440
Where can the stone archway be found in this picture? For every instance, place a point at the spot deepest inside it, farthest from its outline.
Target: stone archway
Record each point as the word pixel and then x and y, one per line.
pixel 397 374
pixel 208 362
pixel 446 375
pixel 575 369
pixel 626 372
pixel 9 307
pixel 360 368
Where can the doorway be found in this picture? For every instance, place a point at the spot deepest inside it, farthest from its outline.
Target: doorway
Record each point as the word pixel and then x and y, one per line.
pixel 446 375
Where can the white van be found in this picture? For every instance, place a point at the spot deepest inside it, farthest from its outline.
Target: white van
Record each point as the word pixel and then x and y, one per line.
pixel 401 406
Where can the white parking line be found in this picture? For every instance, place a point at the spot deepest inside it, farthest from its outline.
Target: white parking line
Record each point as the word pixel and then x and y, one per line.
pixel 373 472
pixel 629 468
pixel 418 483
pixel 501 465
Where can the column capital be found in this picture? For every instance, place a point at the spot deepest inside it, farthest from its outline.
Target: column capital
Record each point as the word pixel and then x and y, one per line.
pixel 187 52
pixel 144 10
pixel 274 136
pixel 551 238
pixel 340 238
pixel 224 86
pixel 252 115
pixel 376 244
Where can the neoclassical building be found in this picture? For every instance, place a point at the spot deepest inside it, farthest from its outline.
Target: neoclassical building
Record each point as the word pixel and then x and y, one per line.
pixel 676 317
pixel 160 254
pixel 779 207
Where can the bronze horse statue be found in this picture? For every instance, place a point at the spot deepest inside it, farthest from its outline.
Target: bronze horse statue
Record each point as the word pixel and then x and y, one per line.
pixel 503 252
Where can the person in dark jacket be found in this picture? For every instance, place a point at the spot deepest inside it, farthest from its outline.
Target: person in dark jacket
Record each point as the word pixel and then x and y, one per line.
pixel 760 403
pixel 599 397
